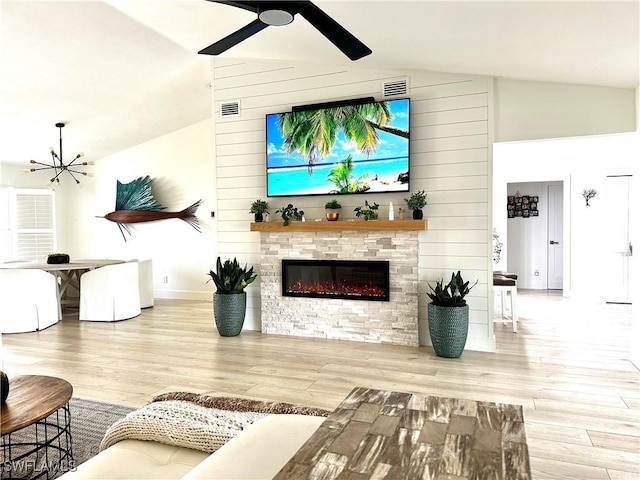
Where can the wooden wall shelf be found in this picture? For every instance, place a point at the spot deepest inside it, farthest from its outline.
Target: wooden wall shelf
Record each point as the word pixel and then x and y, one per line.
pixel 341 226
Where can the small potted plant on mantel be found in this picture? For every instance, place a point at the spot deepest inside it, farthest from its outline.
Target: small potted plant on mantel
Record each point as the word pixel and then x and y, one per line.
pixel 448 315
pixel 332 205
pixel 416 202
pixel 290 213
pixel 259 208
pixel 369 212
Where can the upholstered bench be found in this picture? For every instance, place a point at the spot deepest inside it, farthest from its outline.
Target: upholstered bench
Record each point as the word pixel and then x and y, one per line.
pixel 258 452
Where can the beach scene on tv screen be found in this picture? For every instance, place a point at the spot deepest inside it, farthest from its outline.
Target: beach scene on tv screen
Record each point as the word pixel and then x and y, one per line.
pixel 339 150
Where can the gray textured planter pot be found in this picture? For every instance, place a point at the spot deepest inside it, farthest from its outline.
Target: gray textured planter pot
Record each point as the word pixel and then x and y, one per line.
pixel 448 328
pixel 228 311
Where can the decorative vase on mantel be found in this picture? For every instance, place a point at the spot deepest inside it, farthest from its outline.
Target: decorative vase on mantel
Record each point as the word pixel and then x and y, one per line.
pixel 417 215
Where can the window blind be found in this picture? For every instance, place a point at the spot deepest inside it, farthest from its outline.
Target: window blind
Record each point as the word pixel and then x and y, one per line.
pixel 35 229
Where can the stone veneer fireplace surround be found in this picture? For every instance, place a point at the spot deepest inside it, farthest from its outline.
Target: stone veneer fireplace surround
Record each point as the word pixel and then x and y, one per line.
pixel 393 322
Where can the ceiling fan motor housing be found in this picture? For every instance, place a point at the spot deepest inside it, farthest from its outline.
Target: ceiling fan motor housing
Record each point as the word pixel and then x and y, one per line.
pixel 276 16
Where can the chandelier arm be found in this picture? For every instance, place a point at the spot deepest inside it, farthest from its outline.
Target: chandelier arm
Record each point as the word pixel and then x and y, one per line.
pixel 46 165
pixel 56 177
pixel 74 177
pixel 77 172
pixel 39 168
pixel 73 161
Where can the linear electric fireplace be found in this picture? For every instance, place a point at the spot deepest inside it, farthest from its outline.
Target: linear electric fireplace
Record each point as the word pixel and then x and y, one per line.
pixel 352 280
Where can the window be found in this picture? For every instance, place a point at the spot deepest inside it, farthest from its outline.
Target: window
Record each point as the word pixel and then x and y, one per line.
pixel 31 224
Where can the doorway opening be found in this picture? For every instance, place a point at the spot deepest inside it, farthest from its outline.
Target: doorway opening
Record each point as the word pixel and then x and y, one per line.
pixel 535 234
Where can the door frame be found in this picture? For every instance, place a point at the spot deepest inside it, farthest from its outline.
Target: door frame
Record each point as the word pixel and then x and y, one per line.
pixel 564 228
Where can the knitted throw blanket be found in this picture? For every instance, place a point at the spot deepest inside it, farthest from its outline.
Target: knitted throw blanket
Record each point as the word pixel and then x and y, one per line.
pixel 195 421
pixel 182 424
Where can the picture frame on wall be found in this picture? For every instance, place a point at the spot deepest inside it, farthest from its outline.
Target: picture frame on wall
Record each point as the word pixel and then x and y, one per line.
pixel 524 206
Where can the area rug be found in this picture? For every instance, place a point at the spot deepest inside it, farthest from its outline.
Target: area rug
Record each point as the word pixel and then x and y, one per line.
pixel 90 420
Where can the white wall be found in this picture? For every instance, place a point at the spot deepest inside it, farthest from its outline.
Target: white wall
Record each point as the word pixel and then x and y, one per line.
pixel 180 165
pixel 451 138
pixel 580 163
pixel 635 260
pixel 539 110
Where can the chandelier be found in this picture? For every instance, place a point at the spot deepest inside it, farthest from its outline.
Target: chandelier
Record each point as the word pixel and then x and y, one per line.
pixel 59 166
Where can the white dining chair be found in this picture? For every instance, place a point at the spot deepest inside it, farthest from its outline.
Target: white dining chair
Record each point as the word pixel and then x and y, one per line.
pixel 145 279
pixel 29 300
pixel 110 293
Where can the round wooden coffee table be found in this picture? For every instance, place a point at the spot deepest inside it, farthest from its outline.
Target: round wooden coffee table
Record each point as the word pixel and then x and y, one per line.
pixel 45 448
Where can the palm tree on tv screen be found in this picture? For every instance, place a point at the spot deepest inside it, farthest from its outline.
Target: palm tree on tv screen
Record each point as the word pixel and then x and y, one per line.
pixel 342 177
pixel 313 133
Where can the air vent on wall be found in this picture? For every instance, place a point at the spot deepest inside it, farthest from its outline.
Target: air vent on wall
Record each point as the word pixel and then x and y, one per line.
pixel 394 88
pixel 230 109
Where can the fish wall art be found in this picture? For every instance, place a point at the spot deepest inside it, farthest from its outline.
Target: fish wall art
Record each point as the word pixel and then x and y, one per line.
pixel 135 204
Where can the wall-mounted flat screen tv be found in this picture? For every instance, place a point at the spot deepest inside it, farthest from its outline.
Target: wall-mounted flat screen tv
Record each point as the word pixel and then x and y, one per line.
pixel 332 150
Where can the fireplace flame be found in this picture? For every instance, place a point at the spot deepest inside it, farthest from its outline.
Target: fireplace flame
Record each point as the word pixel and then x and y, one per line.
pixel 337 288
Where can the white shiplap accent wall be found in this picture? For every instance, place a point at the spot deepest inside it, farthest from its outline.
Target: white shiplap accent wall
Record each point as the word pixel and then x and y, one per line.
pixel 450 159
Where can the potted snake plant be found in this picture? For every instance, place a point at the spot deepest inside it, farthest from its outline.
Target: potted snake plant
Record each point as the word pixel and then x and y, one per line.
pixel 230 299
pixel 449 316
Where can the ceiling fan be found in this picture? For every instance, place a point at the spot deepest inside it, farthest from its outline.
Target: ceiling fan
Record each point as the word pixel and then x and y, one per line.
pixel 282 13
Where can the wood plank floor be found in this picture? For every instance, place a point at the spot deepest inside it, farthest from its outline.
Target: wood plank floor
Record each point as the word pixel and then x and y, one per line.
pixel 568 366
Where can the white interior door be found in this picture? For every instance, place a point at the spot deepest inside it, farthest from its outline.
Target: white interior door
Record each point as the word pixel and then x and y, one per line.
pixel 617 238
pixel 554 237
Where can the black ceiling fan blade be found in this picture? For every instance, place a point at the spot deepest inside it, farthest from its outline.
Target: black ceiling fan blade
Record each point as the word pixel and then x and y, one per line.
pixel 335 33
pixel 235 38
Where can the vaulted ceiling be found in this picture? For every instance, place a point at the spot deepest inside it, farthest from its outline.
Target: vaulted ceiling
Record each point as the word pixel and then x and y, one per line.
pixel 120 72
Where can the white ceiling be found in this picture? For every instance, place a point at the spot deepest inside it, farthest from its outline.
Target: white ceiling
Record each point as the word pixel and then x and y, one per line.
pixel 121 72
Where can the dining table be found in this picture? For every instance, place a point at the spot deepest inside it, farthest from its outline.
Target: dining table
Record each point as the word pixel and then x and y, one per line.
pixel 67 275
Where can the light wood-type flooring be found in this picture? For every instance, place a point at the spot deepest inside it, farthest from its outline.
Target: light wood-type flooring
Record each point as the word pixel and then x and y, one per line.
pixel 568 366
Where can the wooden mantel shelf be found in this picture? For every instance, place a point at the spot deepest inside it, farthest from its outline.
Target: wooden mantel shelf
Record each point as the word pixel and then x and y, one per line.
pixel 341 226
